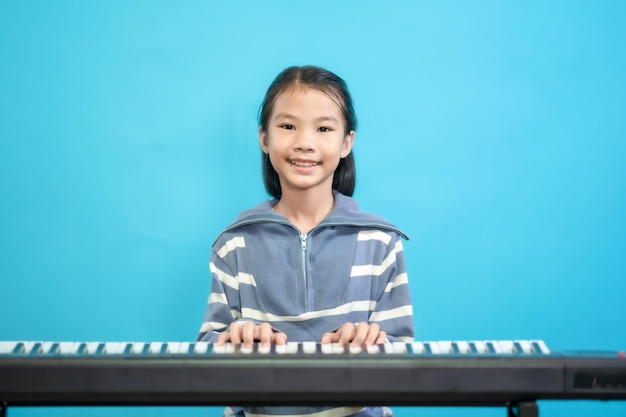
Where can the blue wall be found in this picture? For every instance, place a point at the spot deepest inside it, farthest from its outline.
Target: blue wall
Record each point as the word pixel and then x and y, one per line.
pixel 492 132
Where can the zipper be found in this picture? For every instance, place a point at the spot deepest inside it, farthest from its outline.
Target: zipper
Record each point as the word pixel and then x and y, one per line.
pixel 303 237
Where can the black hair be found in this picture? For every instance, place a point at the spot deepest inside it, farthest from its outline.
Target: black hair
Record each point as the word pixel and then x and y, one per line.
pixel 344 179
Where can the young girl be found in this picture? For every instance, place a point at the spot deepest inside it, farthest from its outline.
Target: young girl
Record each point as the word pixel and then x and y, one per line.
pixel 308 265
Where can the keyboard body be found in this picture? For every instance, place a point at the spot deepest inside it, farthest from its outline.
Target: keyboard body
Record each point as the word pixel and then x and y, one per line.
pixel 485 373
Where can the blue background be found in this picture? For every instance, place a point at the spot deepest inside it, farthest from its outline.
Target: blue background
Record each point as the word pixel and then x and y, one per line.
pixel 492 132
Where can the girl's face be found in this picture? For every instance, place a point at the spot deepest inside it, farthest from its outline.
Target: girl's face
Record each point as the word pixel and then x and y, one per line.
pixel 305 139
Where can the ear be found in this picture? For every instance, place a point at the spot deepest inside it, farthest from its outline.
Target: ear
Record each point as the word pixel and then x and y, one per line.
pixel 346 146
pixel 263 141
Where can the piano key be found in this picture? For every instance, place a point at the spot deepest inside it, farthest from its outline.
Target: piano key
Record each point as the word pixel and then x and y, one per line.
pixel 172 347
pixel 201 347
pixel 246 350
pixel 92 348
pixel 309 347
pixel 399 348
pixel 183 348
pixel 219 349
pixel 292 347
pixel 493 347
pixel 110 348
pixel 418 348
pixel 523 346
pixel 138 348
pixel 506 346
pixel 48 348
pixel 387 348
pixel 445 347
pixel 373 349
pixel 281 349
pixel 230 348
pixel 326 348
pixel 65 347
pixel 355 350
pixel 479 346
pixel 540 347
pixel 432 347
pixel 7 347
pixel 32 348
pixel 155 348
pixel 462 347
pixel 337 348
pixel 264 349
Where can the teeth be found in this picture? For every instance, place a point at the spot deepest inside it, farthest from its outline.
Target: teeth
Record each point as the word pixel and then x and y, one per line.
pixel 303 164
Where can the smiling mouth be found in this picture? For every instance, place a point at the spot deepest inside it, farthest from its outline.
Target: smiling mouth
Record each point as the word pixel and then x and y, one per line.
pixel 303 164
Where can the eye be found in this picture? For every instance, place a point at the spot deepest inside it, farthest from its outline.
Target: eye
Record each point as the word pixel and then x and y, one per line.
pixel 287 127
pixel 324 129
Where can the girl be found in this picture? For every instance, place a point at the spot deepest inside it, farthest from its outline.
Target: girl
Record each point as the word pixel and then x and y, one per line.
pixel 308 265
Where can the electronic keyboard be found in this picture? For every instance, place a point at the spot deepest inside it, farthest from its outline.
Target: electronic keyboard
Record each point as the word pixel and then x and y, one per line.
pixel 463 373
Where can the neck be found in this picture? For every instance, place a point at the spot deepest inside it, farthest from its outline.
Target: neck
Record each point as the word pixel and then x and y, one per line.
pixel 305 209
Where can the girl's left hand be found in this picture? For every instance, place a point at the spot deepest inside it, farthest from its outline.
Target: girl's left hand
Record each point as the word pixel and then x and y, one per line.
pixel 357 334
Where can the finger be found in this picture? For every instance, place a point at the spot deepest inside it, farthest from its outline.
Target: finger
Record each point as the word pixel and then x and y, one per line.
pixel 264 333
pixel 382 337
pixel 372 334
pixel 247 333
pixel 235 333
pixel 223 338
pixel 329 338
pixel 360 333
pixel 280 338
pixel 346 333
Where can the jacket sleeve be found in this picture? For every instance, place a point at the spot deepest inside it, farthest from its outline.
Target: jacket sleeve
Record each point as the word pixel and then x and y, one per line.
pixel 223 304
pixel 394 310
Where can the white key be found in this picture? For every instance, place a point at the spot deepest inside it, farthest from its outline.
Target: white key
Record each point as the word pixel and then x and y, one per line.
pixel 138 348
pixel 434 347
pixel 92 347
pixel 338 348
pixel 496 346
pixel 217 349
pixel 29 346
pixel 183 348
pixel 110 348
pixel 246 350
pixel 418 348
pixel 525 345
pixel 463 346
pixel 373 349
pixel 75 348
pixel 121 348
pixel 46 346
pixel 445 347
pixel 264 349
pixel 481 347
pixel 280 349
pixel 355 349
pixel 327 348
pixel 66 347
pixel 172 347
pixel 388 348
pixel 292 347
pixel 543 348
pixel 507 346
pixel 309 347
pixel 399 348
pixel 230 348
pixel 155 347
pixel 201 347
pixel 7 347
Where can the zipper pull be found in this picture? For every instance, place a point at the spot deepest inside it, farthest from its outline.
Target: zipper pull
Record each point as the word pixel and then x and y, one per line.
pixel 303 241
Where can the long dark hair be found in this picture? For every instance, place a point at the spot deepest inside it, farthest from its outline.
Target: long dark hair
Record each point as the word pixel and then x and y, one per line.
pixel 344 179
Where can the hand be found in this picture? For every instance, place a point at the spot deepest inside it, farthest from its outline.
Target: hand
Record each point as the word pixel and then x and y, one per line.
pixel 248 332
pixel 356 334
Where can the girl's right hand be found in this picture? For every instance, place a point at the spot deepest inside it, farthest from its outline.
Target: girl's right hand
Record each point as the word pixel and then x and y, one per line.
pixel 248 332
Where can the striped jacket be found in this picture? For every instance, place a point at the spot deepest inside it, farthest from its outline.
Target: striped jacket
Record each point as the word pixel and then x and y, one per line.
pixel 349 268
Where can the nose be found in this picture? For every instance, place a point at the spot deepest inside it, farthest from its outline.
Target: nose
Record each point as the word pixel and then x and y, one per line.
pixel 304 141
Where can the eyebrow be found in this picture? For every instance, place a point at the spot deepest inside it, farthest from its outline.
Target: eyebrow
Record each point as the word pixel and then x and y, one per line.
pixel 317 119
